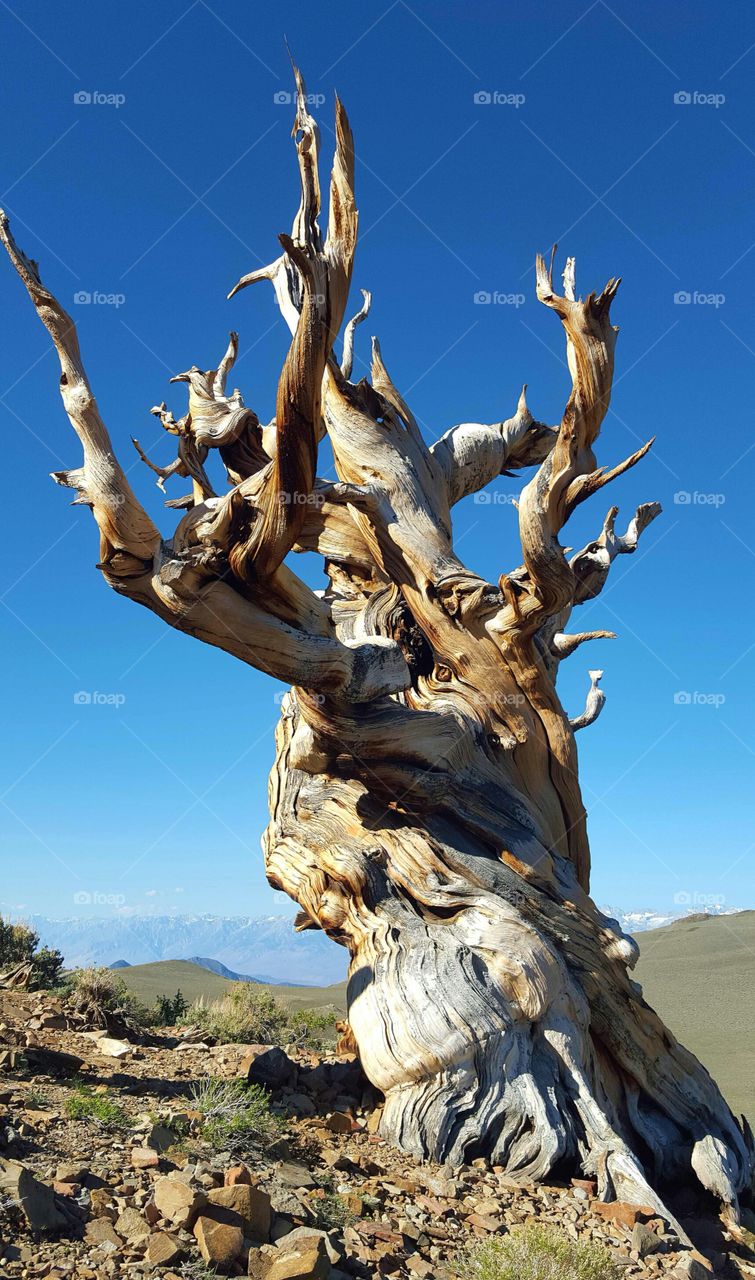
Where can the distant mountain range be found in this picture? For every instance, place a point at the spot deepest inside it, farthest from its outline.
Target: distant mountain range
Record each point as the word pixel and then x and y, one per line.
pixel 263 949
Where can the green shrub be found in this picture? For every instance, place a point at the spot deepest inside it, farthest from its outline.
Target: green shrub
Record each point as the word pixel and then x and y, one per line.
pixel 84 1104
pixel 537 1252
pixel 235 1115
pixel 330 1212
pixel 170 1010
pixel 248 1014
pixel 103 1000
pixel 19 944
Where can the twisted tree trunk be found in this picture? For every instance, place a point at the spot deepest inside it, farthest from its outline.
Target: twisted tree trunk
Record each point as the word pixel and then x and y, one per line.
pixel 425 807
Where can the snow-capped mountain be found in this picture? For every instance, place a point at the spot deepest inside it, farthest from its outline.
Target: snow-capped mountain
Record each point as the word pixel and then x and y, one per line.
pixel 265 947
pixel 640 921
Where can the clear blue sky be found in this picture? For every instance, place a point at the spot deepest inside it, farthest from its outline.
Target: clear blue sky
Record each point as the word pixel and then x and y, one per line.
pixel 170 196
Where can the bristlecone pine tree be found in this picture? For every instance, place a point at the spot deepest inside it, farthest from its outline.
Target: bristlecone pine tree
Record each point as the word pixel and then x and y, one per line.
pixel 425 807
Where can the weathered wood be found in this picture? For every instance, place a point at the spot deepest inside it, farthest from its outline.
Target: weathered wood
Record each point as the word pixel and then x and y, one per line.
pixel 425 809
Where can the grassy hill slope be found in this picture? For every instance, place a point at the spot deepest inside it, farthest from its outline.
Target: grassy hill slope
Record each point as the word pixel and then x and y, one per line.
pixel 165 977
pixel 700 977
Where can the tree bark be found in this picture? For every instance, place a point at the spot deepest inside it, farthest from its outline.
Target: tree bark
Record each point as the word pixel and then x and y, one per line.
pixel 425 804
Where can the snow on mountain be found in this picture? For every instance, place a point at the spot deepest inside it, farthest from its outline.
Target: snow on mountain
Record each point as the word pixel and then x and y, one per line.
pixel 265 947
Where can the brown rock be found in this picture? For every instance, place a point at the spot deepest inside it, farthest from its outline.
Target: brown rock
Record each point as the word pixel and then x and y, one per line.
pixel 101 1204
pixel 67 1189
pixel 340 1122
pixel 102 1231
pixel 219 1243
pixel 131 1225
pixel 268 1065
pixel 621 1211
pixel 309 1261
pixel 373 1120
pixel 177 1201
pixel 144 1158
pixel 37 1200
pixel 69 1171
pixel 251 1205
pixel 237 1175
pixel 645 1241
pixel 163 1249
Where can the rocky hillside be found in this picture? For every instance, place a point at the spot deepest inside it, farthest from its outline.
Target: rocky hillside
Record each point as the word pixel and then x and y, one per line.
pixel 115 1160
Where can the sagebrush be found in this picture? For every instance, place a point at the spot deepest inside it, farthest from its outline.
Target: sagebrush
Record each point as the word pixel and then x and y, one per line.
pixel 537 1252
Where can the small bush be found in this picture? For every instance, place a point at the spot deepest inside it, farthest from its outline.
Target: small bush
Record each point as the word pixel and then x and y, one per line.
pixel 19 944
pixel 235 1115
pixel 170 1010
pixel 538 1252
pixel 248 1014
pixel 84 1104
pixel 103 1000
pixel 330 1212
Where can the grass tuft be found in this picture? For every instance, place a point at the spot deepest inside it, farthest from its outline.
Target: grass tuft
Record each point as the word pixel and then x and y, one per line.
pixel 84 1104
pixel 537 1252
pixel 235 1115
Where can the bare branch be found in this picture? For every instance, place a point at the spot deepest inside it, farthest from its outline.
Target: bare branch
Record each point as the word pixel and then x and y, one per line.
pixel 594 703
pixel 347 359
pixel 128 538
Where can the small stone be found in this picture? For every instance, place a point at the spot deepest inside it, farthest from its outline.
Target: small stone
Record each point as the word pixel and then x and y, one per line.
pixel 621 1211
pixel 144 1158
pixel 36 1199
pixel 177 1201
pixel 251 1204
pixel 102 1231
pixel 131 1225
pixel 71 1172
pixel 219 1243
pixel 645 1241
pixel 309 1261
pixel 113 1048
pixel 292 1174
pixel 340 1122
pixel 101 1204
pixel 237 1175
pixel 161 1138
pixel 270 1066
pixel 163 1249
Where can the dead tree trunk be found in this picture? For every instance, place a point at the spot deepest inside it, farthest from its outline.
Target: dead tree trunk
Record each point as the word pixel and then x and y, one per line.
pixel 425 807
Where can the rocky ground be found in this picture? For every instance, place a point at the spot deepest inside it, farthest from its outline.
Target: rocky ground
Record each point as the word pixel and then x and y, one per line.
pixel 327 1197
